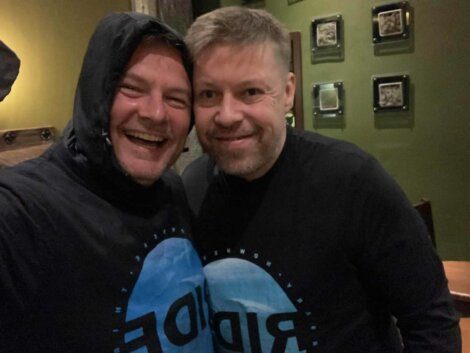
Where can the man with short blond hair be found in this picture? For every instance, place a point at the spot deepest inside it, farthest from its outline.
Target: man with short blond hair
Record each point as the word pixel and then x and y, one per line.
pixel 308 244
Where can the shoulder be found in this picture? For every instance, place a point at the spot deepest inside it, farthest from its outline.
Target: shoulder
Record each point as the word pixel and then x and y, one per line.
pixel 19 207
pixel 313 144
pixel 28 189
pixel 18 181
pixel 171 181
pixel 41 169
pixel 198 170
pixel 196 179
pixel 325 157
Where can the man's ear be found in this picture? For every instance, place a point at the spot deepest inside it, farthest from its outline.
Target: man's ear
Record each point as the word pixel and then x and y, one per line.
pixel 289 92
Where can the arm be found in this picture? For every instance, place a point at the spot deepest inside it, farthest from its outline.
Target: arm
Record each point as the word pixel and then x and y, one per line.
pixel 20 273
pixel 434 329
pixel 399 265
pixel 12 306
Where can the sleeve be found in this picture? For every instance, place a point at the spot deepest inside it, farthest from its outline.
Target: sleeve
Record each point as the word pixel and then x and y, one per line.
pixel 399 265
pixel 12 308
pixel 20 273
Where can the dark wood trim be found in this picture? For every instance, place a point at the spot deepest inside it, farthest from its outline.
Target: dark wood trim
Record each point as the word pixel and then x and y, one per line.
pixel 20 138
pixel 296 62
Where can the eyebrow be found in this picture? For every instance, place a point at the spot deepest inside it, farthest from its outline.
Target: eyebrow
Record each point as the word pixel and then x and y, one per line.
pixel 141 80
pixel 132 76
pixel 211 82
pixel 256 81
pixel 181 91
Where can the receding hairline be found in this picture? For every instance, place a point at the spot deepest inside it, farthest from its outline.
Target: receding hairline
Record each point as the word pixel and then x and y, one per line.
pixel 238 26
pixel 266 46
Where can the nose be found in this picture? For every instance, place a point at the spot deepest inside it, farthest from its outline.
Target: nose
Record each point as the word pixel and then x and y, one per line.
pixel 153 108
pixel 230 112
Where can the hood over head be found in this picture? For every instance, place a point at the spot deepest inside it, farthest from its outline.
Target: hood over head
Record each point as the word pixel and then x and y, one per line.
pixel 111 46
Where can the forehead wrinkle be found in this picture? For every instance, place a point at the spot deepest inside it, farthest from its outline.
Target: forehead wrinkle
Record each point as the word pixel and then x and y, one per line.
pixel 210 70
pixel 158 51
pixel 241 58
pixel 132 75
pixel 251 52
pixel 142 73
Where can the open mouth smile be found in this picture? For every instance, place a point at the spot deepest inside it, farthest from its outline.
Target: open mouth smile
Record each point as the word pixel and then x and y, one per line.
pixel 145 139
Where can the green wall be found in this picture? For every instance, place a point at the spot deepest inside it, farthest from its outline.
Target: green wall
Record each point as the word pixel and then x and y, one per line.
pixel 50 38
pixel 428 152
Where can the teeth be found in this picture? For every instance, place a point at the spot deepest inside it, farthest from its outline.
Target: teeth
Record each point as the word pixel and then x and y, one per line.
pixel 232 138
pixel 145 136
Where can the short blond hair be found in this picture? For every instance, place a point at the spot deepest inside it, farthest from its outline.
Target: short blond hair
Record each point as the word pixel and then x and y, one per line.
pixel 238 26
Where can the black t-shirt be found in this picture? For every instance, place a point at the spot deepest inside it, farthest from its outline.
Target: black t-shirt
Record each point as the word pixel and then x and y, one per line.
pixel 317 255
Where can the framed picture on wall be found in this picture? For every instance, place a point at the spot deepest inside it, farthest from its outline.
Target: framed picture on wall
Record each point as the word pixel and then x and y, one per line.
pixel 328 100
pixel 176 13
pixel 391 22
pixel 391 93
pixel 147 7
pixel 326 33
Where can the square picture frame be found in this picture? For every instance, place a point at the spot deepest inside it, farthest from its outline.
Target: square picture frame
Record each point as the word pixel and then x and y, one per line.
pixel 326 34
pixel 328 99
pixel 296 69
pixel 147 7
pixel 178 14
pixel 391 22
pixel 391 93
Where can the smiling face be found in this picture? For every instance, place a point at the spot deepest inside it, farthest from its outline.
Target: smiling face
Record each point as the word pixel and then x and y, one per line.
pixel 150 115
pixel 241 96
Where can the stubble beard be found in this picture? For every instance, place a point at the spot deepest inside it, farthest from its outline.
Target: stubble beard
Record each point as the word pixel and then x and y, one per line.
pixel 245 163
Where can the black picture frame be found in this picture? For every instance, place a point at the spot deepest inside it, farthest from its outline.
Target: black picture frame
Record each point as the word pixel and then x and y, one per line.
pixel 328 99
pixel 391 93
pixel 326 34
pixel 296 68
pixel 391 22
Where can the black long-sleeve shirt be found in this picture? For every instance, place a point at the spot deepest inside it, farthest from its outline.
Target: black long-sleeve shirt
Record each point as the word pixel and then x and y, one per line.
pixel 324 253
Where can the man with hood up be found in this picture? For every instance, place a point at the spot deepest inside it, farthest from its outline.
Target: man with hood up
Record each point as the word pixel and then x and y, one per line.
pixel 95 254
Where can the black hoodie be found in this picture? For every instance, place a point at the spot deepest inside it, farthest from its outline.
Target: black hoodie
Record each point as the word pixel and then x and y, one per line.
pixel 91 261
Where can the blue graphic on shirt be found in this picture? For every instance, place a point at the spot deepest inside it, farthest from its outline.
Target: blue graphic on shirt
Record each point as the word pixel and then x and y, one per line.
pixel 166 311
pixel 251 312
